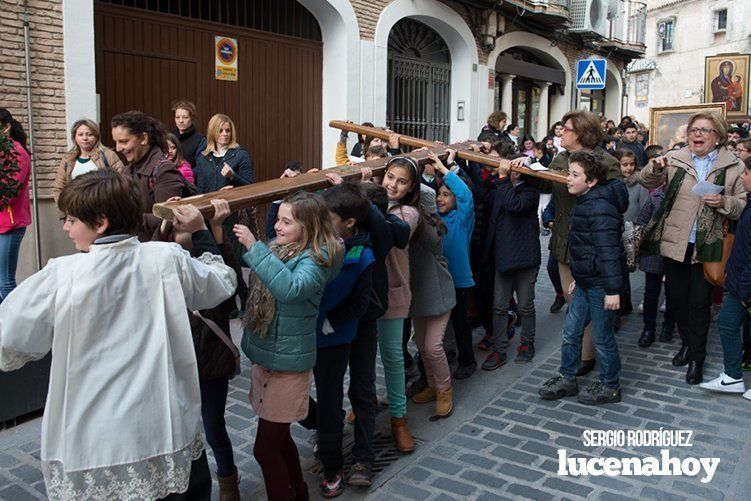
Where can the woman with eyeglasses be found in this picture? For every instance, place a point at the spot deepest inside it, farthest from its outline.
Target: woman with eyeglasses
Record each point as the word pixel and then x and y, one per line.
pixel 689 228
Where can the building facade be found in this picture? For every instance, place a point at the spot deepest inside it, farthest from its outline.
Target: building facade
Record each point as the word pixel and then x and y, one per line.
pixel 680 35
pixel 432 68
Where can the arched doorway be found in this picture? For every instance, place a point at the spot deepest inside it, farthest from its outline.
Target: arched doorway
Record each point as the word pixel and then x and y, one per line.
pixel 419 82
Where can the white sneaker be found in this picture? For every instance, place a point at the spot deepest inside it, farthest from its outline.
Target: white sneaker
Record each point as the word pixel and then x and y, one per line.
pixel 641 307
pixel 747 395
pixel 726 384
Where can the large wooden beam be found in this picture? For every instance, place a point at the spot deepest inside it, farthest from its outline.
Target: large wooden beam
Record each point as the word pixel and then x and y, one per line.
pixel 268 191
pixel 274 189
pixel 464 149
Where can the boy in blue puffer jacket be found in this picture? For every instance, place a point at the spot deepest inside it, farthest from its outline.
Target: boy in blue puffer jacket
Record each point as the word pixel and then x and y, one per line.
pixel 344 301
pixel 597 261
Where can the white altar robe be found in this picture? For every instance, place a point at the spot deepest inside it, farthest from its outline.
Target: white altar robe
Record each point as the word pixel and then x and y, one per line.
pixel 122 419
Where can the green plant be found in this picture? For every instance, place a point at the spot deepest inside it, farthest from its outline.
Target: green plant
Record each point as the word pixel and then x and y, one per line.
pixel 10 186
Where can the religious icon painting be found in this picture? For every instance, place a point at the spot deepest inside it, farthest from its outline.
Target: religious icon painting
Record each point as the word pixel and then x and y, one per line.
pixel 668 125
pixel 726 81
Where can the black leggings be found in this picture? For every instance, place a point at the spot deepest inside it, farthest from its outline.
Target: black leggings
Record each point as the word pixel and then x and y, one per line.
pixel 277 455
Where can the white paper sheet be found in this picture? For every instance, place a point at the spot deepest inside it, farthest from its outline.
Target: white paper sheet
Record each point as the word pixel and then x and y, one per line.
pixel 706 188
pixel 538 166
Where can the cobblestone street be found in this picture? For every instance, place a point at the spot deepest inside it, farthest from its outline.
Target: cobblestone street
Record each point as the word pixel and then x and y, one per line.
pixel 502 441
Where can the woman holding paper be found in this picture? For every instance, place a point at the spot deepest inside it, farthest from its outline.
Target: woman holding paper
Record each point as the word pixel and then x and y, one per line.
pixel 687 229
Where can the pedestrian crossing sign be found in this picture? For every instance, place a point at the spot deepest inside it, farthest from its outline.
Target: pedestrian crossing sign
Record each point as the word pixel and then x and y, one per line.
pixel 590 74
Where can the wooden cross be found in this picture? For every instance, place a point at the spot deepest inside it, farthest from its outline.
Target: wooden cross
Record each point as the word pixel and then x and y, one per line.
pixel 267 191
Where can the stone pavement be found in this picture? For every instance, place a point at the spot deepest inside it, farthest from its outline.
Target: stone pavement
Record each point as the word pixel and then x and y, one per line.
pixel 502 441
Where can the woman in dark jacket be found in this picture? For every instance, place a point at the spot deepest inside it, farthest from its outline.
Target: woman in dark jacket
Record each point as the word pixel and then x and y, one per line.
pixel 191 141
pixel 142 141
pixel 223 162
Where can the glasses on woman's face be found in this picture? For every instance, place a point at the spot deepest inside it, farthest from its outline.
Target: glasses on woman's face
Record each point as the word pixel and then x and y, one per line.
pixel 700 130
pixel 567 129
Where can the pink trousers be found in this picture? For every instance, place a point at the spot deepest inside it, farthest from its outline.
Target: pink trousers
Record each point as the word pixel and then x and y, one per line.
pixel 429 333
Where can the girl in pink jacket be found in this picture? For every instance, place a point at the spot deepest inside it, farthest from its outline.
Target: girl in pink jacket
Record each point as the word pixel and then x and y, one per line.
pixel 15 210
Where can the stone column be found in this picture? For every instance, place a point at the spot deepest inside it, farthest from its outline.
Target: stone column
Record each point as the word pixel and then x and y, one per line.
pixel 507 95
pixel 542 121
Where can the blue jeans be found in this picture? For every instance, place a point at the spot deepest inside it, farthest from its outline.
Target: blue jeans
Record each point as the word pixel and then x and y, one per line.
pixel 729 322
pixel 10 243
pixel 213 403
pixel 589 305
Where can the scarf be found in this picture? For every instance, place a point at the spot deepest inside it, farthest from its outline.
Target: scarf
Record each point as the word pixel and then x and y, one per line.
pixel 709 228
pixel 261 306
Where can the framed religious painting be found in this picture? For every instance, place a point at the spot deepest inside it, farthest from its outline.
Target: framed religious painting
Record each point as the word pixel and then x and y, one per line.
pixel 668 124
pixel 726 81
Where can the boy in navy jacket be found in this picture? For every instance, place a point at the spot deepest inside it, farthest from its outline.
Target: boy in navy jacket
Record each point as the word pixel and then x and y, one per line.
pixel 737 302
pixel 514 241
pixel 345 300
pixel 597 261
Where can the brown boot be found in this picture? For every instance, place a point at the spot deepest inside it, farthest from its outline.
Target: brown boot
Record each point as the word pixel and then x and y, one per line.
pixel 401 434
pixel 425 396
pixel 229 489
pixel 444 402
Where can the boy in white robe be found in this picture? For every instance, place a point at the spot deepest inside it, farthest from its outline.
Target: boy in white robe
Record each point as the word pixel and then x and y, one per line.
pixel 122 419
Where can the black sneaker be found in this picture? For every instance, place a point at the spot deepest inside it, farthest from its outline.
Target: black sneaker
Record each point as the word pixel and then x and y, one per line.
pixel 524 353
pixel 597 393
pixel 465 371
pixel 558 387
pixel 494 360
pixel 360 476
pixel 558 304
pixel 331 488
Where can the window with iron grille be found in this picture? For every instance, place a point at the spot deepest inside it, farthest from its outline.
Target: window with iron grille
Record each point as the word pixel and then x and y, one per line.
pixel 283 17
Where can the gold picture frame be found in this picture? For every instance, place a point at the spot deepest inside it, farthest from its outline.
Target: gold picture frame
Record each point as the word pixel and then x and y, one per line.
pixel 668 124
pixel 726 81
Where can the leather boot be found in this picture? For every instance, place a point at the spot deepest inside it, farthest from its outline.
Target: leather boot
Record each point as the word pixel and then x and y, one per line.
pixel 694 373
pixel 401 434
pixel 229 489
pixel 444 402
pixel 681 358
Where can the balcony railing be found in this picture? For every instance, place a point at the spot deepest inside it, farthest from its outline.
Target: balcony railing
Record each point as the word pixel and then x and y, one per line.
pixel 630 25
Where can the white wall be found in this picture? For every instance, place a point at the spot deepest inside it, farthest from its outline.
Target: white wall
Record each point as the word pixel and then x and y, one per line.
pixel 80 70
pixel 461 43
pixel 679 77
pixel 341 59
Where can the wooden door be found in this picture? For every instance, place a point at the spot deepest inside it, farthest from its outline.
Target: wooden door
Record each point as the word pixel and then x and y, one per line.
pixel 146 60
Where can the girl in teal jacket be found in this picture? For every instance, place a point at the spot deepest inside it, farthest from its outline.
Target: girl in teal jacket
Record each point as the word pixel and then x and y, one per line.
pixel 287 281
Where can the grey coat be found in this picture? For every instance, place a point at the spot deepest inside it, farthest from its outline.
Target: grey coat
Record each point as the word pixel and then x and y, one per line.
pixel 637 196
pixel 430 280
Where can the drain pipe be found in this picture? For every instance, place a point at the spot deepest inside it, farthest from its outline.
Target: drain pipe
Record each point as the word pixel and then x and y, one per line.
pixel 35 197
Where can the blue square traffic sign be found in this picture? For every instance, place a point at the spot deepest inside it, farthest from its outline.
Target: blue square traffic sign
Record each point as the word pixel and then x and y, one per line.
pixel 590 74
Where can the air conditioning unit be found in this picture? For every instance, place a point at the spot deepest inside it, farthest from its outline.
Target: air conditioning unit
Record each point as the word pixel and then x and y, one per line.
pixel 589 17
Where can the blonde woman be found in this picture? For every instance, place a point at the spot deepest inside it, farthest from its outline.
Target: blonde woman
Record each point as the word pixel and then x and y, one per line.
pixel 223 162
pixel 86 155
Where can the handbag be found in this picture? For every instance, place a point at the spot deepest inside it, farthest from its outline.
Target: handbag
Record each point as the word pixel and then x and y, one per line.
pixel 223 337
pixel 630 245
pixel 714 272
